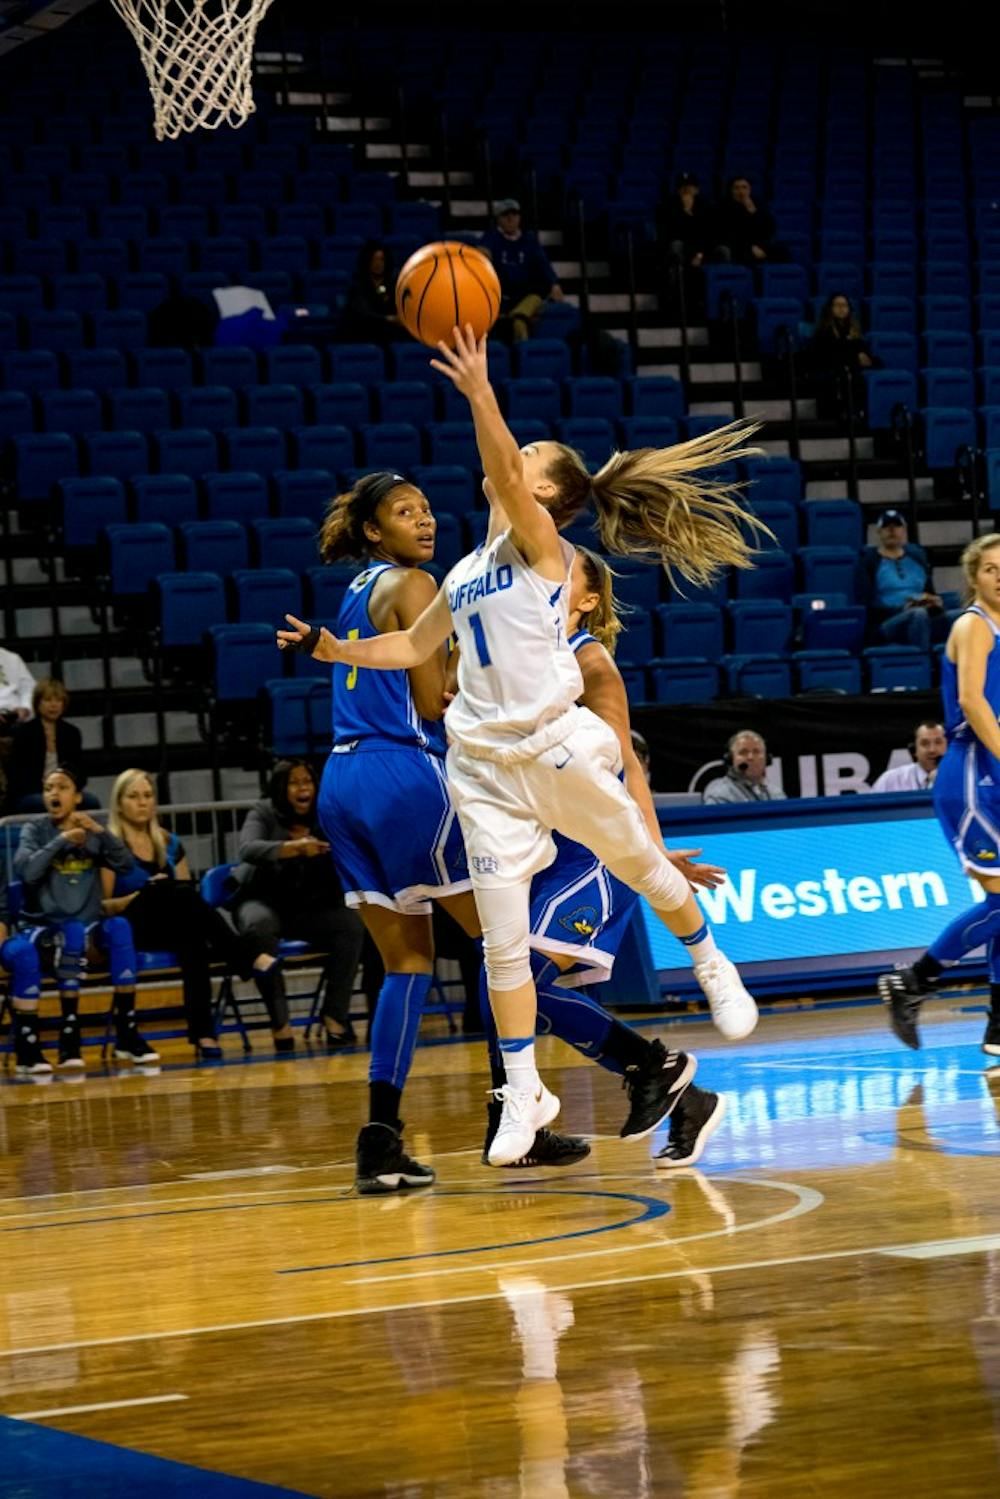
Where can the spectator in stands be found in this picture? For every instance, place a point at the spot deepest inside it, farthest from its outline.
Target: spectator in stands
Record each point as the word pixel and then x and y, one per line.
pixel 370 310
pixel 642 754
pixel 745 227
pixel 19 958
pixel 161 903
pixel 39 745
pixel 746 760
pixel 289 888
pixel 58 858
pixel 16 686
pixel 894 581
pixel 527 279
pixel 686 226
pixel 839 353
pixel 927 751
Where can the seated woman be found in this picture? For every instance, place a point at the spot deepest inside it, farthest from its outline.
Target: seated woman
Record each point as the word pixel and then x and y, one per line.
pixel 369 314
pixel 839 354
pixel 289 888
pixel 58 858
pixel 39 745
pixel 161 904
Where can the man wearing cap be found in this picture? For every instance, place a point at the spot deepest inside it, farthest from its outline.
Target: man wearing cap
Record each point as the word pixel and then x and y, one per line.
pixel 526 276
pixel 894 581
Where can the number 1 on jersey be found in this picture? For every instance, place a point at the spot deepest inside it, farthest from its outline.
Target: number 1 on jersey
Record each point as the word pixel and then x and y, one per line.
pixel 479 636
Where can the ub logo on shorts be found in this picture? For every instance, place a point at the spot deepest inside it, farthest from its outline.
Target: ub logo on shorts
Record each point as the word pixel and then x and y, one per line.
pixel 485 864
pixel 583 922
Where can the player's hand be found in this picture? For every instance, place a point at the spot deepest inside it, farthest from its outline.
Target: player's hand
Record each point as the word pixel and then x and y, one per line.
pixel 465 364
pixel 327 649
pixel 709 876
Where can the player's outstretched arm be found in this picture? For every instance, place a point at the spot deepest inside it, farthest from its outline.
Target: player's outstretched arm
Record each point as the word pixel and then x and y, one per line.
pixel 532 527
pixel 399 650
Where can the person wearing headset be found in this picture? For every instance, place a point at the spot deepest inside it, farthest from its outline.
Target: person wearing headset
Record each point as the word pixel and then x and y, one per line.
pixel 746 761
pixel 927 749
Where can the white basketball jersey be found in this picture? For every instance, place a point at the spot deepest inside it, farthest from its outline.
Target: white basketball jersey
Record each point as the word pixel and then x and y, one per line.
pixel 516 670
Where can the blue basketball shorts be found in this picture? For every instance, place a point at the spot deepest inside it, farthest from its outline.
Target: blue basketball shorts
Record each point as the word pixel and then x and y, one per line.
pixel 967 802
pixel 393 832
pixel 580 910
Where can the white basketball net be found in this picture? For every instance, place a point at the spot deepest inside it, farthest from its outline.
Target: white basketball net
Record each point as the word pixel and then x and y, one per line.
pixel 198 57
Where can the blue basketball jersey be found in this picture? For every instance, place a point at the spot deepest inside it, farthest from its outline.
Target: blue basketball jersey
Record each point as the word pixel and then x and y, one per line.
pixel 954 719
pixel 375 707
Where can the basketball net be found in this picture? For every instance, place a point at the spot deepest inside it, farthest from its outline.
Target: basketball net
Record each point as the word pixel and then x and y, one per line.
pixel 198 57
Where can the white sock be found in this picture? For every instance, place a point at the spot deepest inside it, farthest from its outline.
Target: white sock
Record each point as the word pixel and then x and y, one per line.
pixel 518 1056
pixel 700 944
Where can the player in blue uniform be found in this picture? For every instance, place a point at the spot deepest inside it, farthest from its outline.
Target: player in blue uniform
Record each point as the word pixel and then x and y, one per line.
pixel 966 797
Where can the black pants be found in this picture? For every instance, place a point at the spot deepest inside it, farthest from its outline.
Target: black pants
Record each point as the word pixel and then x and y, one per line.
pixel 335 930
pixel 171 915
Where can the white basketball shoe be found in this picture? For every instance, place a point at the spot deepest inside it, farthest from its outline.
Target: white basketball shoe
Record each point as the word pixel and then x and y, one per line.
pixel 734 1011
pixel 522 1115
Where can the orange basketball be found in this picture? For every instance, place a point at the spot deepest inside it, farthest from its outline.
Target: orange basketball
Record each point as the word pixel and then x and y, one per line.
pixel 446 285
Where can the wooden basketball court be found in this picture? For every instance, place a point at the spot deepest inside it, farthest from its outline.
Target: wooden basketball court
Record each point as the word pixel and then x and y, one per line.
pixel 189 1279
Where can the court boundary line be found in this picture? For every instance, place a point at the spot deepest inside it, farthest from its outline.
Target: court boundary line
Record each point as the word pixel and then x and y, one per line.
pixel 100 1405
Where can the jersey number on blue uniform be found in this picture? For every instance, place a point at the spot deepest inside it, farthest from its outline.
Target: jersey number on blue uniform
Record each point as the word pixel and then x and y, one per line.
pixel 479 636
pixel 352 675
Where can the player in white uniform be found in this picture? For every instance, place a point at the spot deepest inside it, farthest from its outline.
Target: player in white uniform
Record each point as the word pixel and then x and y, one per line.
pixel 525 760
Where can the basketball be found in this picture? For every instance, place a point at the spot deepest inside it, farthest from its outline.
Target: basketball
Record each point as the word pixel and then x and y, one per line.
pixel 445 285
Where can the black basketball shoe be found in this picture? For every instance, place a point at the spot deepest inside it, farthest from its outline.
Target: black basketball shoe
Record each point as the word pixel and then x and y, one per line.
pixel 28 1055
pixel 548 1149
pixel 70 1059
pixel 904 993
pixel 693 1122
pixel 991 1039
pixel 384 1166
pixel 131 1047
pixel 654 1087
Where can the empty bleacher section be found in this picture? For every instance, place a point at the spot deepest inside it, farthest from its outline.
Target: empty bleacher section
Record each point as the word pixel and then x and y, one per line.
pixel 161 502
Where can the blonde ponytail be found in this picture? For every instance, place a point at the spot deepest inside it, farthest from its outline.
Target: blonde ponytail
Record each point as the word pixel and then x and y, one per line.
pixel 603 621
pixel 655 503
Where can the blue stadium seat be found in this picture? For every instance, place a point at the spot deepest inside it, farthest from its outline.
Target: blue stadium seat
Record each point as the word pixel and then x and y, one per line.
pixel 988 312
pixel 948 387
pixel 96 369
pixel 190 605
pixel 144 410
pixel 243 220
pixel 329 446
pixel 690 631
pixel 325 591
pixel 759 626
pixel 833 670
pixel 17 414
pixel 888 389
pixel 988 380
pixel 648 431
pixel 142 290
pixel 299 711
pixel 235 366
pixel 771 577
pixel 897 351
pixel 183 220
pixel 453 443
pixel 363 363
pixel 266 594
pixel 897 668
pixel 61 221
pixel 833 523
pixel 788 281
pixel 946 314
pixel 702 422
pixel 211 406
pixel 945 278
pixel 21 293
pixel 837 627
pixel 637 583
pixel 121 455
pixel 284 252
pixel 43 257
pixel 258 450
pixel 344 404
pixel 833 277
pixel 340 252
pixel 592 436
pixel 185 450
pixel 655 396
pixel 170 498
pixel 411 361
pixel 988 418
pixel 945 429
pixel 272 406
pixel 498 362
pixel 243 659
pixel 223 253
pixel 774 314
pixel 685 682
pixel 410 401
pixel 782 518
pixel 827 569
pixel 892 315
pixel 167 369
pixel 305 219
pixel 727 281
pixel 390 445
pixel 542 359
pixel 635 643
pixel 949 348
pixel 421 221
pixel 293 364
pixel 55 330
pixel 121 328
pixel 31 370
pixel 108 257
pixel 79 291
pixel 128 221
pixel 136 553
pixel 238 494
pixel 536 397
pixel 148 188
pixel 765 675
pixel 304 492
pixel 88 505
pixel 886 278
pixel 594 395
pixel 449 487
pixel 773 478
pixel 72 411
pixel 8 333
pixel 449 547
pixel 289 541
pixel 215 546
pixel 525 429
